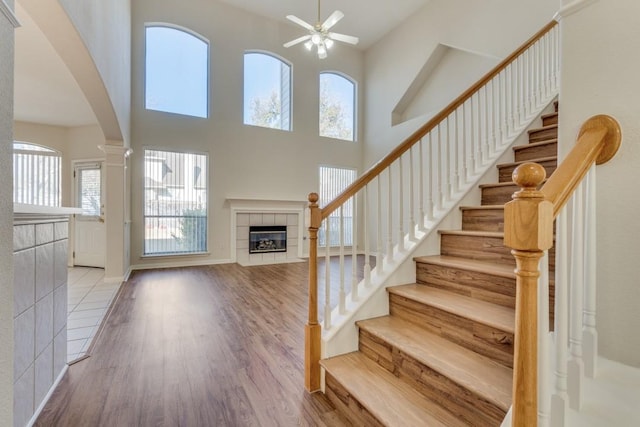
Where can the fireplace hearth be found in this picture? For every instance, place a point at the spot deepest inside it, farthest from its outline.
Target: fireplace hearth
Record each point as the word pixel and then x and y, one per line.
pixel 267 238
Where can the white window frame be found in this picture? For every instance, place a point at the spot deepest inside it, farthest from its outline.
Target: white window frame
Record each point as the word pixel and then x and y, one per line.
pixel 48 193
pixel 283 87
pixel 192 33
pixel 205 179
pixel 355 104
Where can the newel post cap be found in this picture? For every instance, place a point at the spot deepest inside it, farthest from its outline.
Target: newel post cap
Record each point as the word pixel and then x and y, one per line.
pixel 528 218
pixel 315 217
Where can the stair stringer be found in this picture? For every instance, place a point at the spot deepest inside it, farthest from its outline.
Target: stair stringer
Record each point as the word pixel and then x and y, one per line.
pixel 373 300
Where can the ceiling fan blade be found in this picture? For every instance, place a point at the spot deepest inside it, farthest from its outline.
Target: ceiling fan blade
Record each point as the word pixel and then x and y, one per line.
pixel 332 20
pixel 300 22
pixel 344 38
pixel 298 40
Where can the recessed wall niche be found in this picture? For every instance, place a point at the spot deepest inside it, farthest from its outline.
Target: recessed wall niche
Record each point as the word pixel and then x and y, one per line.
pixel 447 73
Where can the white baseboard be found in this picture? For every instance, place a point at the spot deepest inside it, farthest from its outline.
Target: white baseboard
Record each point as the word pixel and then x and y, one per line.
pixel 44 402
pixel 176 264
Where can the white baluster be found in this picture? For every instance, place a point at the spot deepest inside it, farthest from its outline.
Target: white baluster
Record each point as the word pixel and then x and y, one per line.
pixel 327 274
pixel 365 236
pixel 576 364
pixel 514 99
pixel 544 394
pixel 412 196
pixel 472 133
pixel 560 399
pixel 390 218
pixel 447 161
pixel 342 294
pixel 465 159
pixel 421 166
pixel 503 106
pixel 487 147
pixel 590 334
pixel 379 249
pixel 400 206
pixel 456 153
pixel 354 253
pixel 433 178
pixel 441 173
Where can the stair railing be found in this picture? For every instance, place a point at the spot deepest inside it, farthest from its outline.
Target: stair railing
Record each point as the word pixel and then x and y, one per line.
pixel 528 231
pixel 403 195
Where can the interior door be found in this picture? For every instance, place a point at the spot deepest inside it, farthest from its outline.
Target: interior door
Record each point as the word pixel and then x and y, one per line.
pixel 89 235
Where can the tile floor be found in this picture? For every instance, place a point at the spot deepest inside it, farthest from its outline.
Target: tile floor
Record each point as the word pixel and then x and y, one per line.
pixel 88 301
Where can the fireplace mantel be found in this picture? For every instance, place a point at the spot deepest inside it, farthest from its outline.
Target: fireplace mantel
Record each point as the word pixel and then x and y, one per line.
pixel 250 212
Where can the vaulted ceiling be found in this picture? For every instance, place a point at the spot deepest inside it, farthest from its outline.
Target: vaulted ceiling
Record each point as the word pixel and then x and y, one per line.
pixel 45 91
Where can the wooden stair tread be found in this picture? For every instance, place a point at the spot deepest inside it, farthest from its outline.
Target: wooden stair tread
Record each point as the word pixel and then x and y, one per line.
pixel 535 144
pixel 469 264
pixel 540 160
pixel 546 116
pixel 486 313
pixel 503 184
pixel 542 128
pixel 467 368
pixel 472 233
pixel 392 401
pixel 481 207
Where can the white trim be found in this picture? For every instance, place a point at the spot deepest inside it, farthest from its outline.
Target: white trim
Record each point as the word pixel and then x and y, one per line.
pixel 10 14
pixel 572 8
pixel 44 402
pixel 179 264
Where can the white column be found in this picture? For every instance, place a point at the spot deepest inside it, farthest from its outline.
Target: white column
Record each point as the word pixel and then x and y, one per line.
pixel 115 208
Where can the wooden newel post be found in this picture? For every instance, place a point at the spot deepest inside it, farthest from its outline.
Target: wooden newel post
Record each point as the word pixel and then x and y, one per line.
pixel 529 232
pixel 312 330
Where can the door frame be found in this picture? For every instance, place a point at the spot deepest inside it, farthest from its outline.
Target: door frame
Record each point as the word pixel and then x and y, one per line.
pixel 74 202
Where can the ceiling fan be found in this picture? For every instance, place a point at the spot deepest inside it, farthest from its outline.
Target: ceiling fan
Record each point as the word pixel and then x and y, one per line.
pixel 319 34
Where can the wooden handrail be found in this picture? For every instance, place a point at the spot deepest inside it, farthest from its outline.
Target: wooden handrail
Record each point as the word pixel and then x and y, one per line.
pixel 528 230
pixel 376 169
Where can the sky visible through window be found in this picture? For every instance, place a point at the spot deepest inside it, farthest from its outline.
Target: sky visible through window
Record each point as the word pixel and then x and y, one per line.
pixel 177 65
pixel 266 91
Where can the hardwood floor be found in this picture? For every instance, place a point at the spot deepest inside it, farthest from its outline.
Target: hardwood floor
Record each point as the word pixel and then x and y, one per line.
pixel 200 346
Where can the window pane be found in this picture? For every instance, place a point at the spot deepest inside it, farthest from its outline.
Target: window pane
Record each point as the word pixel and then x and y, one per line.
pixel 177 68
pixel 89 191
pixel 267 91
pixel 36 175
pixel 337 107
pixel 334 181
pixel 175 202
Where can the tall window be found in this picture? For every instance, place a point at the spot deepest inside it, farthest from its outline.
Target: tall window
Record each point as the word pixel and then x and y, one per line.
pixel 334 181
pixel 36 174
pixel 176 72
pixel 267 91
pixel 175 202
pixel 337 106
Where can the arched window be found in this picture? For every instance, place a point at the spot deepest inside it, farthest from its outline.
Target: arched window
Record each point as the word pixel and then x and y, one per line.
pixel 337 106
pixel 36 174
pixel 267 91
pixel 176 71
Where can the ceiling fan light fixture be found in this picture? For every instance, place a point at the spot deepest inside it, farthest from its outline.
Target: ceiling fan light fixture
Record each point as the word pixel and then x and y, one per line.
pixel 328 43
pixel 316 39
pixel 309 45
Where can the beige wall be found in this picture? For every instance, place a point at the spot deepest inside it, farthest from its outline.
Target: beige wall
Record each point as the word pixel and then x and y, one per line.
pixel 105 28
pixel 245 161
pixel 491 28
pixel 6 220
pixel 600 75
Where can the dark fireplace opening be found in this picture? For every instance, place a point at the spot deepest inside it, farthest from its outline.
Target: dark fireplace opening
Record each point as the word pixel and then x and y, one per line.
pixel 267 238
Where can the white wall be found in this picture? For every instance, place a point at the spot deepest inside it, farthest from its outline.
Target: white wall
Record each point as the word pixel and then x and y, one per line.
pixel 492 28
pixel 245 161
pixel 105 27
pixel 6 219
pixel 600 75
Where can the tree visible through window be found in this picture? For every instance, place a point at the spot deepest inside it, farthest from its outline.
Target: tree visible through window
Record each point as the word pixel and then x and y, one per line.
pixel 337 106
pixel 177 71
pixel 175 202
pixel 267 91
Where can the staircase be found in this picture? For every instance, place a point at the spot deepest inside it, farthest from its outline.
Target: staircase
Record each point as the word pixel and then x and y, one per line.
pixel 444 354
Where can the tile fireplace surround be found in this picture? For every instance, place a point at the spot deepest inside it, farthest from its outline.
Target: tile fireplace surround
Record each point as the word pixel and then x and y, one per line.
pixel 250 212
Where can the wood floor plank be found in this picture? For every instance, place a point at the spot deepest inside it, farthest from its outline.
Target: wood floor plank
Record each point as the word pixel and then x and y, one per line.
pixel 199 346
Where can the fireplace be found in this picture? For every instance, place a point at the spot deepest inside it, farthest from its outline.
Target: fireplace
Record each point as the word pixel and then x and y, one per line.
pixel 267 238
